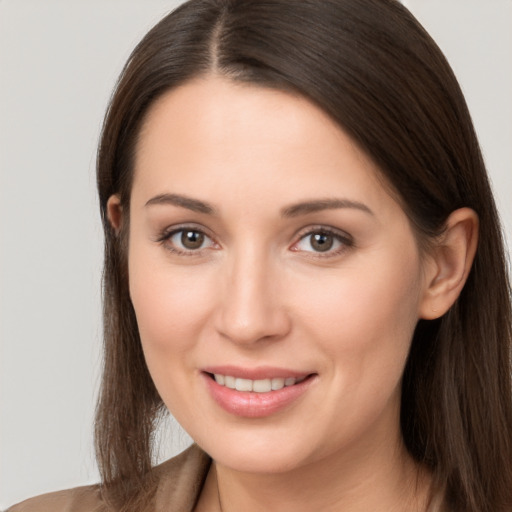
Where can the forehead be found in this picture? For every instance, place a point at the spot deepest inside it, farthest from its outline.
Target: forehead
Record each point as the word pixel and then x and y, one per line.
pixel 218 110
pixel 249 138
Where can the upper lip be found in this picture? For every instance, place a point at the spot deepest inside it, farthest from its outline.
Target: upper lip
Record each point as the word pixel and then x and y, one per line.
pixel 258 373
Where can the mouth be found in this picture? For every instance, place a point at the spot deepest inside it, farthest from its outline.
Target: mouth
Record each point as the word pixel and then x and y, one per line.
pixel 268 392
pixel 258 385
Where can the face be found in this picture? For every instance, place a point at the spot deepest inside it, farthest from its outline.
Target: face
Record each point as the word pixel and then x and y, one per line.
pixel 265 253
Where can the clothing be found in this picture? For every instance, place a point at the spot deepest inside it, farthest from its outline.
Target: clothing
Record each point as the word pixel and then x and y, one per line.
pixel 180 481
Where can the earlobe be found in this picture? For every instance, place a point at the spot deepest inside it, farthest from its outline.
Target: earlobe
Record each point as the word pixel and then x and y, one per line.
pixel 450 263
pixel 115 212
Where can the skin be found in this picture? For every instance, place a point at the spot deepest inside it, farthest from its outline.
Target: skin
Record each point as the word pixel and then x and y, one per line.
pixel 258 292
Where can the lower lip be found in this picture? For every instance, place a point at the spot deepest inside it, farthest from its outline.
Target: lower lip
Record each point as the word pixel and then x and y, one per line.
pixel 255 405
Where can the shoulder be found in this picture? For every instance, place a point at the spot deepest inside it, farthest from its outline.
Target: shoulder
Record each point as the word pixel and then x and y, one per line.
pixel 80 499
pixel 180 481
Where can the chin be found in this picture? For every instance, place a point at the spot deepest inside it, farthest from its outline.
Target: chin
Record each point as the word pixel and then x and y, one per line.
pixel 253 461
pixel 258 453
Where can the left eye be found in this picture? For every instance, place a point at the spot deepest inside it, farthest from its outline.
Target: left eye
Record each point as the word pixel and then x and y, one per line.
pixel 321 242
pixel 189 240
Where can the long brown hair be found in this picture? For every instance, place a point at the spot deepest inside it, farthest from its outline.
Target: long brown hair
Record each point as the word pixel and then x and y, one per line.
pixel 372 67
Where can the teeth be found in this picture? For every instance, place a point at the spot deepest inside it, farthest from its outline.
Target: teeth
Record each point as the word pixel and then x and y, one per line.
pixel 257 386
pixel 243 385
pixel 277 383
pixel 229 382
pixel 262 386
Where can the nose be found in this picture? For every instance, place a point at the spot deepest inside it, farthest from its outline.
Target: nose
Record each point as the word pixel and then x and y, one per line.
pixel 251 303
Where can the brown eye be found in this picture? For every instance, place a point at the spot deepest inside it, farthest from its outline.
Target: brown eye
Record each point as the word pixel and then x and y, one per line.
pixel 187 241
pixel 321 242
pixel 192 239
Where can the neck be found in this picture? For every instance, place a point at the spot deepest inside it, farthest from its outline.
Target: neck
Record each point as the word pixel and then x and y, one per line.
pixel 386 480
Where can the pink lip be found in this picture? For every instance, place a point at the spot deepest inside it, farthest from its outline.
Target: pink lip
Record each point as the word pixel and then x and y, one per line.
pixel 255 405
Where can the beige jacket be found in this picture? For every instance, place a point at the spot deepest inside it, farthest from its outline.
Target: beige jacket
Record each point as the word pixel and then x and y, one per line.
pixel 180 481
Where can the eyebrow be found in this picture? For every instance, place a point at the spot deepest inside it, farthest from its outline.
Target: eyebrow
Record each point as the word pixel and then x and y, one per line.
pixel 183 201
pixel 294 210
pixel 317 205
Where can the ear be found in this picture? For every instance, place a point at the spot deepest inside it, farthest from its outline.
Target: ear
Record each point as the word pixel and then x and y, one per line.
pixel 449 263
pixel 115 212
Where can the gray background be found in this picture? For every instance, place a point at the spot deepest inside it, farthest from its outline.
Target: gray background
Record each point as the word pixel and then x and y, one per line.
pixel 58 62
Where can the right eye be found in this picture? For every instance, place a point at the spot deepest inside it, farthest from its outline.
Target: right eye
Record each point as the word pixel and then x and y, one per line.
pixel 186 241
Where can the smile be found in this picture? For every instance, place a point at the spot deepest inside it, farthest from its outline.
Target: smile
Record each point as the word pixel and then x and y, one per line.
pixel 256 393
pixel 256 386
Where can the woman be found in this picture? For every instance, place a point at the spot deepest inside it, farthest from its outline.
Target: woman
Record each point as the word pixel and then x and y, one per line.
pixel 304 265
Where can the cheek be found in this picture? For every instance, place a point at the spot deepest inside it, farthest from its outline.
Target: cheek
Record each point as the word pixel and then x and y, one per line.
pixel 170 303
pixel 365 317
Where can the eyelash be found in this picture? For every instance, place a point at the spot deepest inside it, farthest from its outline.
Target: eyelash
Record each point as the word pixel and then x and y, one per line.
pixel 167 235
pixel 344 240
